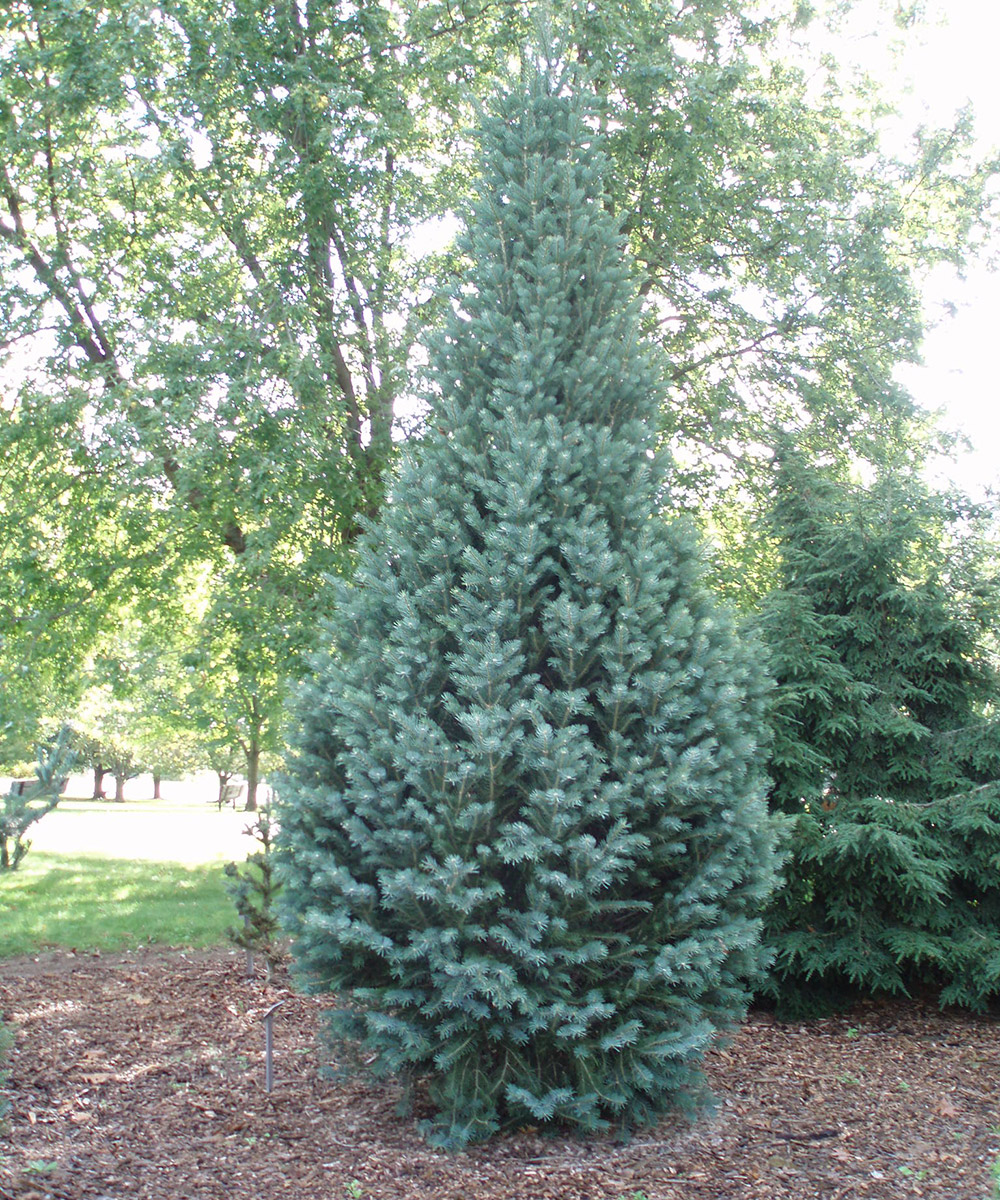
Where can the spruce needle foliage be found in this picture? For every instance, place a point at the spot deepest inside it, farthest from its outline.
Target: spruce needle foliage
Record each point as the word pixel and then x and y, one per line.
pixel 524 837
pixel 887 747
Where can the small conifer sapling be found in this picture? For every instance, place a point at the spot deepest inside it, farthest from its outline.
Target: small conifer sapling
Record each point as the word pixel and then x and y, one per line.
pixel 252 887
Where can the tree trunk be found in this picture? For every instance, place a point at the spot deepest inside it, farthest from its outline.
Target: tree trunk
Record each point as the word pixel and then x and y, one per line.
pixel 99 773
pixel 157 780
pixel 120 788
pixel 253 775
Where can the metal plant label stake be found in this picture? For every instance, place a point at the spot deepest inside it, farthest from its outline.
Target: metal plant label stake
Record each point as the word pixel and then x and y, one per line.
pixel 250 972
pixel 269 1046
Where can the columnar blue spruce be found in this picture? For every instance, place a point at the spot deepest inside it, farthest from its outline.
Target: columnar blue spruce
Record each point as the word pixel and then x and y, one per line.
pixel 524 836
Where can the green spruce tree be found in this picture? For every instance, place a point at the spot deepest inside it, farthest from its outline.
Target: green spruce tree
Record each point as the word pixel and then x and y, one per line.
pixel 524 836
pixel 886 752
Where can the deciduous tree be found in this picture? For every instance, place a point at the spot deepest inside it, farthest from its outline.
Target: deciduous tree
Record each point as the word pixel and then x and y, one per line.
pixel 210 282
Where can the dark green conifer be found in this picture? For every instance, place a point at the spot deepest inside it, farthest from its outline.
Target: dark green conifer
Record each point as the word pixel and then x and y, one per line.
pixel 524 835
pixel 886 752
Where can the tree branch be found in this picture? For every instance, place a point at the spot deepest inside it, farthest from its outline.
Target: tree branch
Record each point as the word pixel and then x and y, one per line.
pixel 89 339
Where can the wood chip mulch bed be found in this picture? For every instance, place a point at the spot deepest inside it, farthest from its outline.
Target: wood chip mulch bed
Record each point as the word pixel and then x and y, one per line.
pixel 142 1075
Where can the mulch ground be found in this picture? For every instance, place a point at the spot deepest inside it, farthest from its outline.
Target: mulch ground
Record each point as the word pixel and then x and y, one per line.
pixel 142 1076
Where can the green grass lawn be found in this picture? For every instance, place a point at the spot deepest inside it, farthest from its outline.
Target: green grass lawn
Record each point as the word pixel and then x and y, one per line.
pixel 104 876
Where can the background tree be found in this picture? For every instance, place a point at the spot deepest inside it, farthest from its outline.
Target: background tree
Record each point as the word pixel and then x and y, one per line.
pixel 212 214
pixel 132 715
pixel 526 829
pixel 168 754
pixel 70 553
pixel 774 235
pixel 89 752
pixel 887 749
pixel 224 760
pixel 158 685
pixel 106 724
pixel 248 648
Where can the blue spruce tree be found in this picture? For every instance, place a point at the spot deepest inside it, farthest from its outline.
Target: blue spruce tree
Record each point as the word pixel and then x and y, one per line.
pixel 524 836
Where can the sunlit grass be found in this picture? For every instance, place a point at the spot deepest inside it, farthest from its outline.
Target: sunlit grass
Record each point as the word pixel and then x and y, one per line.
pixel 102 876
pixel 85 902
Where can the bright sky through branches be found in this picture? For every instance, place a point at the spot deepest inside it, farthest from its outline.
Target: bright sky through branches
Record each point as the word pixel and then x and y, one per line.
pixel 947 61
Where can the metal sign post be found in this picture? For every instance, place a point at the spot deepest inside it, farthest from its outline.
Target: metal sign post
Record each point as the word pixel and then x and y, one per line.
pixel 269 1046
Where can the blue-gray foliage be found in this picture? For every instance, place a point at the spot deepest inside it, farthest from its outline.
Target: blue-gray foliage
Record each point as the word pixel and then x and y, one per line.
pixel 524 837
pixel 19 810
